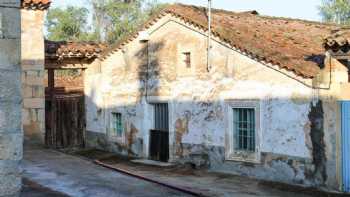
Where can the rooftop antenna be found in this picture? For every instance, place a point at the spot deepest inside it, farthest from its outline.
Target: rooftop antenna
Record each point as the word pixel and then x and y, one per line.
pixel 209 36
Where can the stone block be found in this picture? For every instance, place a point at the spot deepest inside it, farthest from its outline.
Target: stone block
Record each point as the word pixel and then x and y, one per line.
pixel 29 67
pixel 10 185
pixel 11 147
pixel 38 91
pixel 9 167
pixel 10 117
pixel 10 27
pixel 33 80
pixel 12 85
pixel 26 118
pixel 27 91
pixel 34 103
pixel 9 54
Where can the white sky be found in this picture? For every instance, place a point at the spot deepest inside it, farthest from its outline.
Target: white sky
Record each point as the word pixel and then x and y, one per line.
pixel 303 9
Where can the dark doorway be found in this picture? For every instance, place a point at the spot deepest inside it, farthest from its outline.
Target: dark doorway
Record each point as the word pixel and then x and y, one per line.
pixel 64 111
pixel 159 136
pixel 65 121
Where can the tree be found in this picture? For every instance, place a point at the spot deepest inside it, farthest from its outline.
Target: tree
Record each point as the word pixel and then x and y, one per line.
pixel 67 24
pixel 100 18
pixel 113 19
pixel 336 11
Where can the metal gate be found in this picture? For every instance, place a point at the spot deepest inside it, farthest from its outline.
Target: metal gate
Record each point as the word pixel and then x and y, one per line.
pixel 346 145
pixel 65 121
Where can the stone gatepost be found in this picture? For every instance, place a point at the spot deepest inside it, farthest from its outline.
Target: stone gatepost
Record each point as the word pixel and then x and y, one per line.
pixel 33 71
pixel 11 137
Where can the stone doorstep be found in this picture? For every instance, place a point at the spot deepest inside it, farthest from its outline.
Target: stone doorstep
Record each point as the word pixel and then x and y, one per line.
pixel 153 163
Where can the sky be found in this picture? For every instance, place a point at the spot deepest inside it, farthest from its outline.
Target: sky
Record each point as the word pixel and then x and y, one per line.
pixel 302 9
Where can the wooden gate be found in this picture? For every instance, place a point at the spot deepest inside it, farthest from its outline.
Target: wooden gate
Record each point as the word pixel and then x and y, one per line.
pixel 65 120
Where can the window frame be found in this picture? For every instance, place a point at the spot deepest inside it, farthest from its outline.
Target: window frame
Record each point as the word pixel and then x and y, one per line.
pixel 231 153
pixel 113 131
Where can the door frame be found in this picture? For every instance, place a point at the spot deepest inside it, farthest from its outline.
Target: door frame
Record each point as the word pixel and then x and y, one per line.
pixel 149 124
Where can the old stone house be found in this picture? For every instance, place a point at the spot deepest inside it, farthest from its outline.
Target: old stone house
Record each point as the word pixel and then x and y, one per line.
pixel 268 103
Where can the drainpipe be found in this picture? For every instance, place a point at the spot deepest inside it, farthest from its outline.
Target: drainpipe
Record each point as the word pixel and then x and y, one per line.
pixel 209 37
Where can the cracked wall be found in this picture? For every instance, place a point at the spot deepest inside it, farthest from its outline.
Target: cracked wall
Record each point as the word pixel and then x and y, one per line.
pixel 318 144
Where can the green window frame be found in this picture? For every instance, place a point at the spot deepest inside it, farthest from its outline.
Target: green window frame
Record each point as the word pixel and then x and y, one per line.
pixel 244 129
pixel 117 124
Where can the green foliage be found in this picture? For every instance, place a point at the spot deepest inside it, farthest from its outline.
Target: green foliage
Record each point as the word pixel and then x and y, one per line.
pixel 67 24
pixel 114 19
pixel 336 11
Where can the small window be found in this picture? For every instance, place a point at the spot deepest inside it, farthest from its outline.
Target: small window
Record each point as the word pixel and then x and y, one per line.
pixel 244 129
pixel 187 59
pixel 117 125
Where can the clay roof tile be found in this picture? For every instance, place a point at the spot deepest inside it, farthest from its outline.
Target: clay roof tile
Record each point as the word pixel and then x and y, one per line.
pixel 292 44
pixel 35 4
pixel 62 50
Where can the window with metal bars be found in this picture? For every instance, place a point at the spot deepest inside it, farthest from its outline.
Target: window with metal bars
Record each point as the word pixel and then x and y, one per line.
pixel 244 129
pixel 161 117
pixel 117 125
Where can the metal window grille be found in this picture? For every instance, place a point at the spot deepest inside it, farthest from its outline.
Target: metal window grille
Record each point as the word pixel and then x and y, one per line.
pixel 244 129
pixel 161 117
pixel 117 124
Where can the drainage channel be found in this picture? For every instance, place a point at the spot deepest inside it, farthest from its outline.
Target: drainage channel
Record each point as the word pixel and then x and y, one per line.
pixel 184 190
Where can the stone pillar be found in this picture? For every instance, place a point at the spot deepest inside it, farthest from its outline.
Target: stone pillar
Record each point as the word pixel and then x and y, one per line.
pixel 11 137
pixel 33 57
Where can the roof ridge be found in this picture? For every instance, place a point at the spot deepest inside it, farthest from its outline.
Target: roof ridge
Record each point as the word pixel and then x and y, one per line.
pixel 257 14
pixel 286 45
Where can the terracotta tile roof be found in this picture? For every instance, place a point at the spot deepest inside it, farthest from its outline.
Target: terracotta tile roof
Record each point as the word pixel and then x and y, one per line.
pixel 62 50
pixel 292 44
pixel 35 4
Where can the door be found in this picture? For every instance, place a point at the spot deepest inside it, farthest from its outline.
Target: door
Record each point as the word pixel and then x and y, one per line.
pixel 346 145
pixel 159 136
pixel 65 121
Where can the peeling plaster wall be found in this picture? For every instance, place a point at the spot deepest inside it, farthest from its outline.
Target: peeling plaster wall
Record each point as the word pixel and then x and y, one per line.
pixel 198 105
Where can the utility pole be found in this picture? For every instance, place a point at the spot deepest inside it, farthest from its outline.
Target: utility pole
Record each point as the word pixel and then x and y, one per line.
pixel 209 37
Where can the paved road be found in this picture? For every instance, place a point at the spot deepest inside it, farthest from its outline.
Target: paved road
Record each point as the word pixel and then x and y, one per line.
pixel 80 178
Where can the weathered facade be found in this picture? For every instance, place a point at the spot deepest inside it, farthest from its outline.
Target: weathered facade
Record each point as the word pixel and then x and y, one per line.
pixel 10 98
pixel 284 80
pixel 33 72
